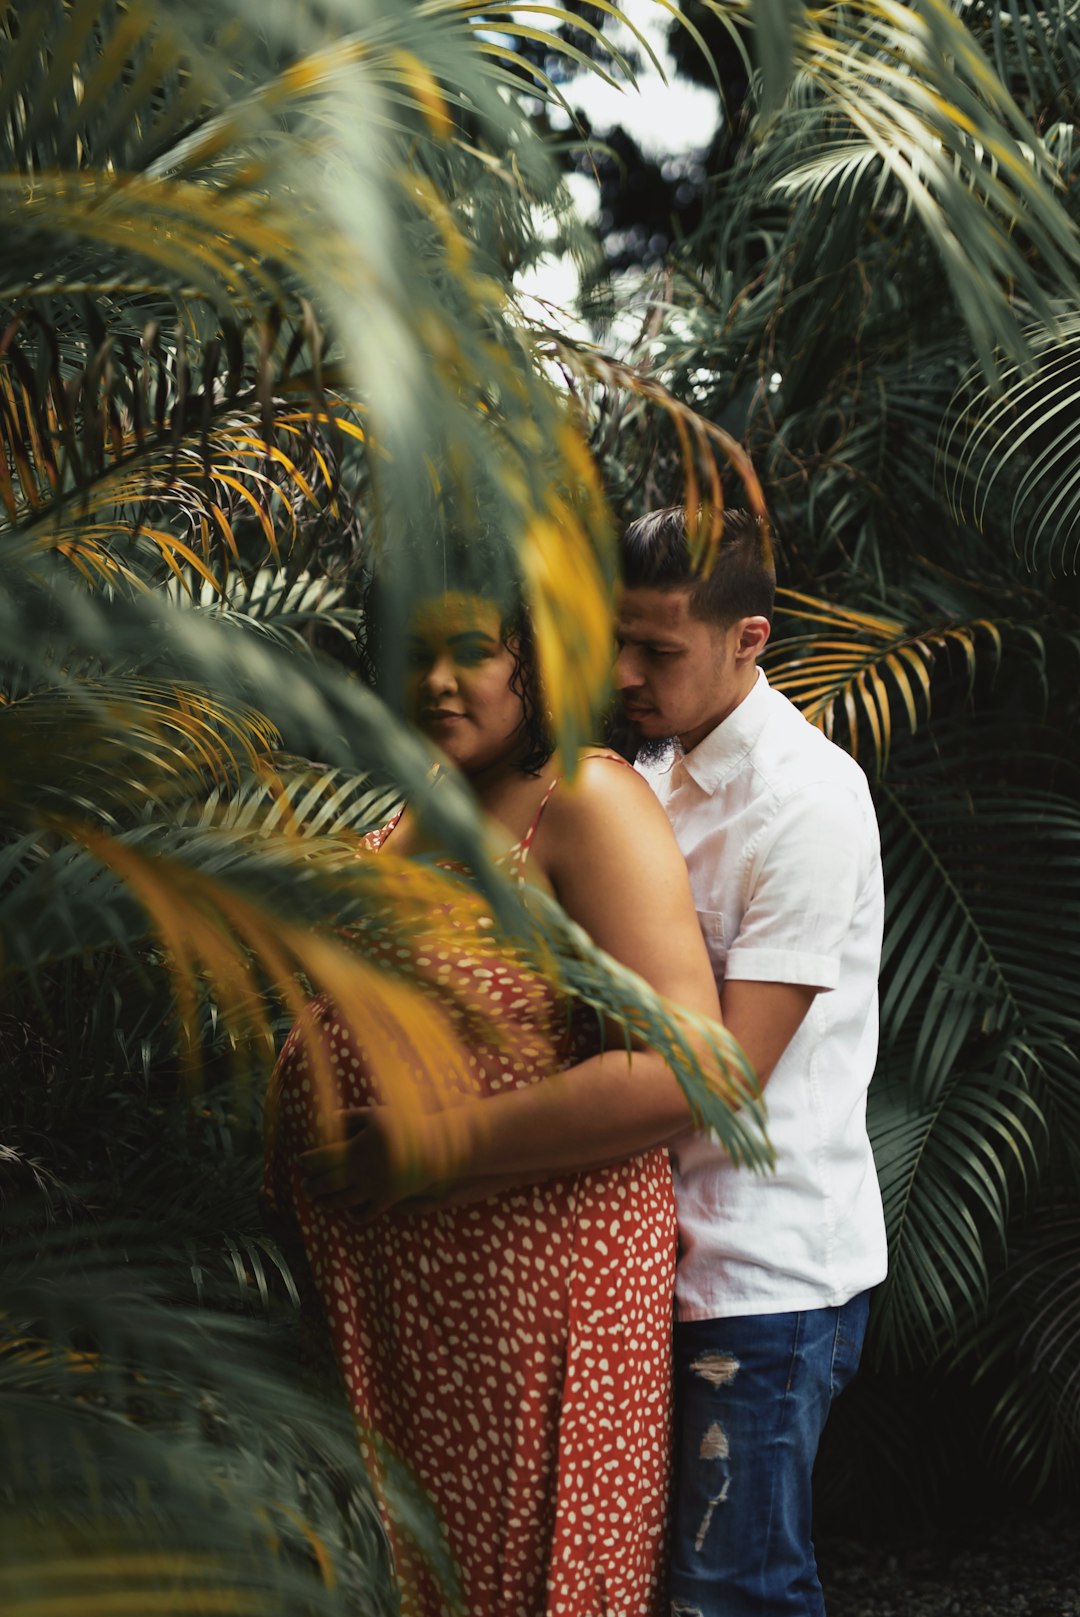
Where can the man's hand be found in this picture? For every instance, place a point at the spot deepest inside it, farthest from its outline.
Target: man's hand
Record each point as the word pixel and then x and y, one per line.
pixel 363 1170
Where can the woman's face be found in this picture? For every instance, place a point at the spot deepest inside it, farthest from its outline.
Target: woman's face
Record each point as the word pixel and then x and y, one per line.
pixel 459 681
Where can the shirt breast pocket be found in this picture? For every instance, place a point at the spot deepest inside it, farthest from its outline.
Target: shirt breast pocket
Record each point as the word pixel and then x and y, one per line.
pixel 715 931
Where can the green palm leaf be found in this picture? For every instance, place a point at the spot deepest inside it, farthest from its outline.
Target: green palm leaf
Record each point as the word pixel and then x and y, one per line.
pixel 136 741
pixel 912 83
pixel 178 1463
pixel 115 441
pixel 1029 1355
pixel 296 796
pixel 979 934
pixel 1017 446
pixel 948 1173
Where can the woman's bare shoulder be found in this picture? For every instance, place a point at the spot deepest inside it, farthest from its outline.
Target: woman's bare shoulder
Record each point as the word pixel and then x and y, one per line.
pixel 601 771
pixel 604 786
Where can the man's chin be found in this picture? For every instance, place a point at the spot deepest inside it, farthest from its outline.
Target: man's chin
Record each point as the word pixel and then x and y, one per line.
pixel 649 741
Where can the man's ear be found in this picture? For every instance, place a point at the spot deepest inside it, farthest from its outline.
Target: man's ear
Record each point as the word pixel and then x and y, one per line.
pixel 753 637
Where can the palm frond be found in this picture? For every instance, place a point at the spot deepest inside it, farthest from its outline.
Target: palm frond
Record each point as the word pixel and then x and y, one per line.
pixel 307 200
pixel 265 599
pixel 1017 446
pixel 976 890
pixel 859 670
pixel 949 1172
pixel 1040 49
pixel 911 84
pixel 218 1481
pixel 1027 1351
pixel 109 439
pixel 701 441
pixel 134 741
pixel 319 712
pixel 299 797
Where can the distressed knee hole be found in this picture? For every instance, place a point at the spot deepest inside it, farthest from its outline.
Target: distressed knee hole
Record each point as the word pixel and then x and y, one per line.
pixel 719 1369
pixel 714 1445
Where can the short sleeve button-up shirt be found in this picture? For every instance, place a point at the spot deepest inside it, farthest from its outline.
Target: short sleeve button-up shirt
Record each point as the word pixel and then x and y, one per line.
pixel 778 830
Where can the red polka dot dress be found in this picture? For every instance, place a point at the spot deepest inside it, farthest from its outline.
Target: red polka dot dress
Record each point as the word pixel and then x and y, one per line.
pixel 512 1353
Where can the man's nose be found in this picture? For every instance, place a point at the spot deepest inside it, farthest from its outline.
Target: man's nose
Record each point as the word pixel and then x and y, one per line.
pixel 626 674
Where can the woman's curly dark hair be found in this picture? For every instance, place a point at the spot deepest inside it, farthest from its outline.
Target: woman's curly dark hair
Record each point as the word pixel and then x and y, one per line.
pixel 520 642
pixel 517 636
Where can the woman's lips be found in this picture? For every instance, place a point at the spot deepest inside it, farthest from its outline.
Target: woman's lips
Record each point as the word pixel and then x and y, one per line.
pixel 439 717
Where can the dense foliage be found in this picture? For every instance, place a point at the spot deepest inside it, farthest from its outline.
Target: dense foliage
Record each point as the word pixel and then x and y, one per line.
pixel 257 329
pixel 259 326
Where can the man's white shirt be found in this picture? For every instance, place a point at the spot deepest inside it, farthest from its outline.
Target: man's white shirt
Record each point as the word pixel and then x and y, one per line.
pixel 778 830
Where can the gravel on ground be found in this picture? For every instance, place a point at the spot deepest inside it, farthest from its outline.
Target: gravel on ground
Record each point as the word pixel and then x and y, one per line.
pixel 1028 1569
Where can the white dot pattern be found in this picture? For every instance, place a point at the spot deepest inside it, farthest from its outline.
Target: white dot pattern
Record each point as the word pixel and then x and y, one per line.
pixel 513 1353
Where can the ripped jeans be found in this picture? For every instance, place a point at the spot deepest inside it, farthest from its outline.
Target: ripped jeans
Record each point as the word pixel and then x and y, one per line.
pixel 751 1399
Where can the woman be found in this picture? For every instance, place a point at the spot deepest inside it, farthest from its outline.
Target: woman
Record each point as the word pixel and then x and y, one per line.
pixel 512 1344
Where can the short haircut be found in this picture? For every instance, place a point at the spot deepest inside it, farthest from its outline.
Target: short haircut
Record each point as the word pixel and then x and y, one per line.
pixel 655 553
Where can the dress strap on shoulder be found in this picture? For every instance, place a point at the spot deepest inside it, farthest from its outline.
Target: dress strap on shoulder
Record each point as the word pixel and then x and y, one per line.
pixel 610 758
pixel 518 855
pixel 521 852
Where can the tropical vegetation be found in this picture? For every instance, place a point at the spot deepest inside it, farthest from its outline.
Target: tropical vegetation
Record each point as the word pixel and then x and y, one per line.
pixel 259 331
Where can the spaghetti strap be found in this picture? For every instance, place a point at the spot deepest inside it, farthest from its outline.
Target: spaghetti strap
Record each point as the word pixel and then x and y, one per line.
pixel 520 851
pixel 517 856
pixel 526 842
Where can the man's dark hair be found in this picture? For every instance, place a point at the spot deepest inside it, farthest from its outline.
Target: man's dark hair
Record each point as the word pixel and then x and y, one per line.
pixel 655 553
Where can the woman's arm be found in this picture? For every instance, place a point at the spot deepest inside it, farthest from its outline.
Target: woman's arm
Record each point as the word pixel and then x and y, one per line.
pixel 607 848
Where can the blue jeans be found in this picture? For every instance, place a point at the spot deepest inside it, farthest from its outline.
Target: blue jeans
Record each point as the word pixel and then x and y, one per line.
pixel 751 1398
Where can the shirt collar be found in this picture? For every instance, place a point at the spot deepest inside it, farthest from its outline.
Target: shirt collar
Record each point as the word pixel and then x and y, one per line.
pixel 718 753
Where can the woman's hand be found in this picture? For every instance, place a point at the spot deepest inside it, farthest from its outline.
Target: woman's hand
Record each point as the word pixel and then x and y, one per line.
pixel 366 1169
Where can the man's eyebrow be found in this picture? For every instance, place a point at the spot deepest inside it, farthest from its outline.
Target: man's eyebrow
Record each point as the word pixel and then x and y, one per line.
pixel 662 641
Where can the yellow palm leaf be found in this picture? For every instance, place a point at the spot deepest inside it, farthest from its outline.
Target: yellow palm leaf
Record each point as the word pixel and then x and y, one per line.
pixel 212 933
pixel 863 665
pixel 704 446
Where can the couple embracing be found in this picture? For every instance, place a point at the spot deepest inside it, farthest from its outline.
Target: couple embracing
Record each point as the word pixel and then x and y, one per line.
pixel 510 1338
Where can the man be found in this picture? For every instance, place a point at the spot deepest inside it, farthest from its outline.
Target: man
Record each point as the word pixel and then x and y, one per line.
pixel 778 831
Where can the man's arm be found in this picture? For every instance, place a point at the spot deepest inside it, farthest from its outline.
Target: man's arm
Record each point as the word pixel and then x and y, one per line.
pixel 804 889
pixel 592 1097
pixel 765 1017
